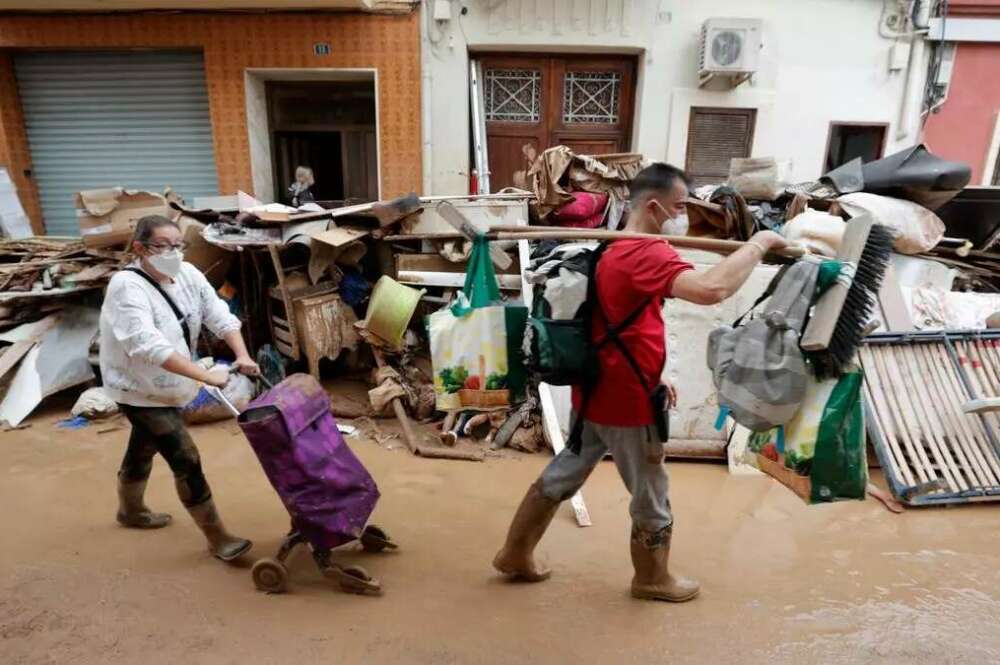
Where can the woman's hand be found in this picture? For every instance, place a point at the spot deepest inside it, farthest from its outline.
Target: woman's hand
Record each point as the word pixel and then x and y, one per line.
pixel 218 377
pixel 246 365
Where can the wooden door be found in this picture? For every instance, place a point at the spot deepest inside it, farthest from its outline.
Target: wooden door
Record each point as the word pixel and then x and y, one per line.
pixel 535 102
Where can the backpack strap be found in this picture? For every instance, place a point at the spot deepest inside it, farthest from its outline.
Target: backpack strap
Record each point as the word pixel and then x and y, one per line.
pixel 612 334
pixel 768 292
pixel 181 319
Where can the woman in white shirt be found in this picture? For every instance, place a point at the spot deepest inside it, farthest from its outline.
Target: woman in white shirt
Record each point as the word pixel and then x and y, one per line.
pixel 152 315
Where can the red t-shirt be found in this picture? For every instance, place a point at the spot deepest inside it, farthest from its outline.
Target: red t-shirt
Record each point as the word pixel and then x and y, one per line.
pixel 629 273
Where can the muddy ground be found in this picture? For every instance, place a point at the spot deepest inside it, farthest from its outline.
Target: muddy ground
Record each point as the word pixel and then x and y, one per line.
pixel 783 582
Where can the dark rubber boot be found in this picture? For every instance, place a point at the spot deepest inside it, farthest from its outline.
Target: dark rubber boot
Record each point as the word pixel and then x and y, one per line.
pixel 132 510
pixel 650 558
pixel 221 543
pixel 516 557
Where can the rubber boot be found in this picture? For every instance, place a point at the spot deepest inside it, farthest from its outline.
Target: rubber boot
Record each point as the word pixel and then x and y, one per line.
pixel 221 543
pixel 132 510
pixel 516 557
pixel 650 558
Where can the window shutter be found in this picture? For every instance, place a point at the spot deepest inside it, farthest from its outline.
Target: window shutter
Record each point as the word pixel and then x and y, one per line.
pixel 716 136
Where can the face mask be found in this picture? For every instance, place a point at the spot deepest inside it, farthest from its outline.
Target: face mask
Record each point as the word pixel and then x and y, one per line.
pixel 675 227
pixel 168 263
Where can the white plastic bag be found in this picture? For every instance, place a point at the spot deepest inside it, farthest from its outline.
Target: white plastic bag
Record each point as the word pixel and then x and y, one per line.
pixel 919 229
pixel 206 409
pixel 94 404
pixel 817 231
pixel 762 178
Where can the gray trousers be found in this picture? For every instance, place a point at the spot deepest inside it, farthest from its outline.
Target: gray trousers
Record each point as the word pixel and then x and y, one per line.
pixel 632 448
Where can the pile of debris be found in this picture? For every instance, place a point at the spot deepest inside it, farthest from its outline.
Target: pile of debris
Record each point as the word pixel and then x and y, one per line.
pixel 39 276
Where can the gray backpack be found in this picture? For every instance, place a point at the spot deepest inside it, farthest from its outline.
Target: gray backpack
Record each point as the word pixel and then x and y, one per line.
pixel 758 369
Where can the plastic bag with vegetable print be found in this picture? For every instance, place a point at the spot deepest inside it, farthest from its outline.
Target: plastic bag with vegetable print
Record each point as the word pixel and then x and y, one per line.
pixel 476 343
pixel 820 454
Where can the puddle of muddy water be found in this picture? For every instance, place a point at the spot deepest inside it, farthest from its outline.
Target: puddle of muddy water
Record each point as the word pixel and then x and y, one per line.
pixel 947 626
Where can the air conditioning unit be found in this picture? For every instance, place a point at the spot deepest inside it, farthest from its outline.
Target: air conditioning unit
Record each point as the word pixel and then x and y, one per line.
pixel 729 47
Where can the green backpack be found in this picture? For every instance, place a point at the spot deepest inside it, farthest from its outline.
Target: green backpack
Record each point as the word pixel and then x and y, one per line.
pixel 557 341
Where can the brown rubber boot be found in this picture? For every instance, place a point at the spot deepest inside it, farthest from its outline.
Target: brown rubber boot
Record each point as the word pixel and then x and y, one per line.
pixel 653 581
pixel 221 543
pixel 132 510
pixel 516 557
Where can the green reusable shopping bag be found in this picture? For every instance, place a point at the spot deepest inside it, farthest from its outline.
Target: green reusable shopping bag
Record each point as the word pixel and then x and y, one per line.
pixel 820 454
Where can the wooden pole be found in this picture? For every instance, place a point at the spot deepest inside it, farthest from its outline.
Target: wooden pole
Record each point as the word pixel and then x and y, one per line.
pixel 550 233
pixel 410 437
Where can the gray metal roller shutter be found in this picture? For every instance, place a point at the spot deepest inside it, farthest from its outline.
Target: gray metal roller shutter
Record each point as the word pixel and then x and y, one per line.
pixel 136 119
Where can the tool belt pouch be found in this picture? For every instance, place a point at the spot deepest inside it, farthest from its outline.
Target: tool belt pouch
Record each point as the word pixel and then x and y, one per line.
pixel 661 413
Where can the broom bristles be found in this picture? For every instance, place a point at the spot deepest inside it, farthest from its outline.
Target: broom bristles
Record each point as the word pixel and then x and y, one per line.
pixel 859 305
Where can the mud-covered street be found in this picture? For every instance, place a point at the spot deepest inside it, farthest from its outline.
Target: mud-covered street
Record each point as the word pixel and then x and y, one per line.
pixel 782 582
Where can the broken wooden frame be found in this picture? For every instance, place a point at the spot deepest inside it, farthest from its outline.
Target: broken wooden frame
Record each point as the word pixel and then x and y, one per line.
pixel 916 388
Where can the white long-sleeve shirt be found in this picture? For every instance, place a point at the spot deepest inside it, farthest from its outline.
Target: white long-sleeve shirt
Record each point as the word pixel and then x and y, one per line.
pixel 139 332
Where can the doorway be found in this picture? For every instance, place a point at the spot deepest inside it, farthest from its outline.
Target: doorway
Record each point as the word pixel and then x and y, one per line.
pixel 534 102
pixel 329 127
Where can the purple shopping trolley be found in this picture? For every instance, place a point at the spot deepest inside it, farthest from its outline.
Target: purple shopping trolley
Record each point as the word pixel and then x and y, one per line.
pixel 325 488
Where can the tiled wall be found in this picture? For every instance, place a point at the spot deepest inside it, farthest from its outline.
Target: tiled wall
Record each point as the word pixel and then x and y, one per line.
pixel 232 43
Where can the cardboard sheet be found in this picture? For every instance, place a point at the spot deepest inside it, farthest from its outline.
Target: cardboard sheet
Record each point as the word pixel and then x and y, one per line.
pixel 58 361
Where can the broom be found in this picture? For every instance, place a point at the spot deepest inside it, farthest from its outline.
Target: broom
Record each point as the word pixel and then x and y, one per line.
pixel 842 313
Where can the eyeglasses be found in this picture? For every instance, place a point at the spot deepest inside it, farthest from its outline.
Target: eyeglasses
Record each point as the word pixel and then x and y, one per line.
pixel 161 247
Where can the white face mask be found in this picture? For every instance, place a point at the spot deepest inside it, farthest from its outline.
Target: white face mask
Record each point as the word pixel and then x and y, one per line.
pixel 168 263
pixel 678 226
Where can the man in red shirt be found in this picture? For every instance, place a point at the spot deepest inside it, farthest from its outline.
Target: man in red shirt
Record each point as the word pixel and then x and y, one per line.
pixel 619 413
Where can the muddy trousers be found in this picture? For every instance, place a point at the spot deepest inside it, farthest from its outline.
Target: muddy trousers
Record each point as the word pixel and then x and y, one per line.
pixel 161 430
pixel 632 448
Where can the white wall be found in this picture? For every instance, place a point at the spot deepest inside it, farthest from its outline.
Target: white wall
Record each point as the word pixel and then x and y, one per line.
pixel 821 61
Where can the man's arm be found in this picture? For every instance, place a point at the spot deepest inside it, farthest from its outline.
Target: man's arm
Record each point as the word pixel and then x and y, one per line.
pixel 722 280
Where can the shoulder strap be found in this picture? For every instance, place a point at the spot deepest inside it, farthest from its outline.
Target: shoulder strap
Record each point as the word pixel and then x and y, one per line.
pixel 181 319
pixel 768 292
pixel 613 335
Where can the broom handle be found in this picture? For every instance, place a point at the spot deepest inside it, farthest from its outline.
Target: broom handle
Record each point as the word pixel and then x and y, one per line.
pixel 559 233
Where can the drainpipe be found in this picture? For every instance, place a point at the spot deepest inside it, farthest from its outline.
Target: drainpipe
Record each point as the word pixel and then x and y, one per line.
pixel 426 135
pixel 913 88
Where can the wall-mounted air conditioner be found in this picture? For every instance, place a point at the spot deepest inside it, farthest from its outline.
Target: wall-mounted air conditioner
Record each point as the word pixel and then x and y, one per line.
pixel 730 48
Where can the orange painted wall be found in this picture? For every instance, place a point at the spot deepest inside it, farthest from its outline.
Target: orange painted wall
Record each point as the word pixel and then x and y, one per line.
pixel 14 144
pixel 963 127
pixel 231 43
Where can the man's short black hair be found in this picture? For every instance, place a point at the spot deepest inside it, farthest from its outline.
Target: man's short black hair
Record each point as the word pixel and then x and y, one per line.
pixel 656 178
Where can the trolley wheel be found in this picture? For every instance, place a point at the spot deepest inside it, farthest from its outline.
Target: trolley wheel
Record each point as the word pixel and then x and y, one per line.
pixel 270 575
pixel 374 539
pixel 355 579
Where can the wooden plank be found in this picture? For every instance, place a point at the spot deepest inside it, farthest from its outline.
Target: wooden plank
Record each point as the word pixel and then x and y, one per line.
pixel 982 405
pixel 884 414
pixel 281 334
pixel 976 427
pixel 895 313
pixel 928 416
pixel 551 425
pixel 819 330
pixel 461 223
pixel 953 431
pixel 13 354
pixel 437 263
pixel 283 348
pixel 452 280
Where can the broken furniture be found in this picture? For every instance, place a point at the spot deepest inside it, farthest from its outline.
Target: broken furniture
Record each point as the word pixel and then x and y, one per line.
pixel 917 386
pixel 310 321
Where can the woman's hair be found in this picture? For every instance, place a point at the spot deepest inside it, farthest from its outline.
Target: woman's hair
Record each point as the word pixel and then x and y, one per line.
pixel 307 172
pixel 145 227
